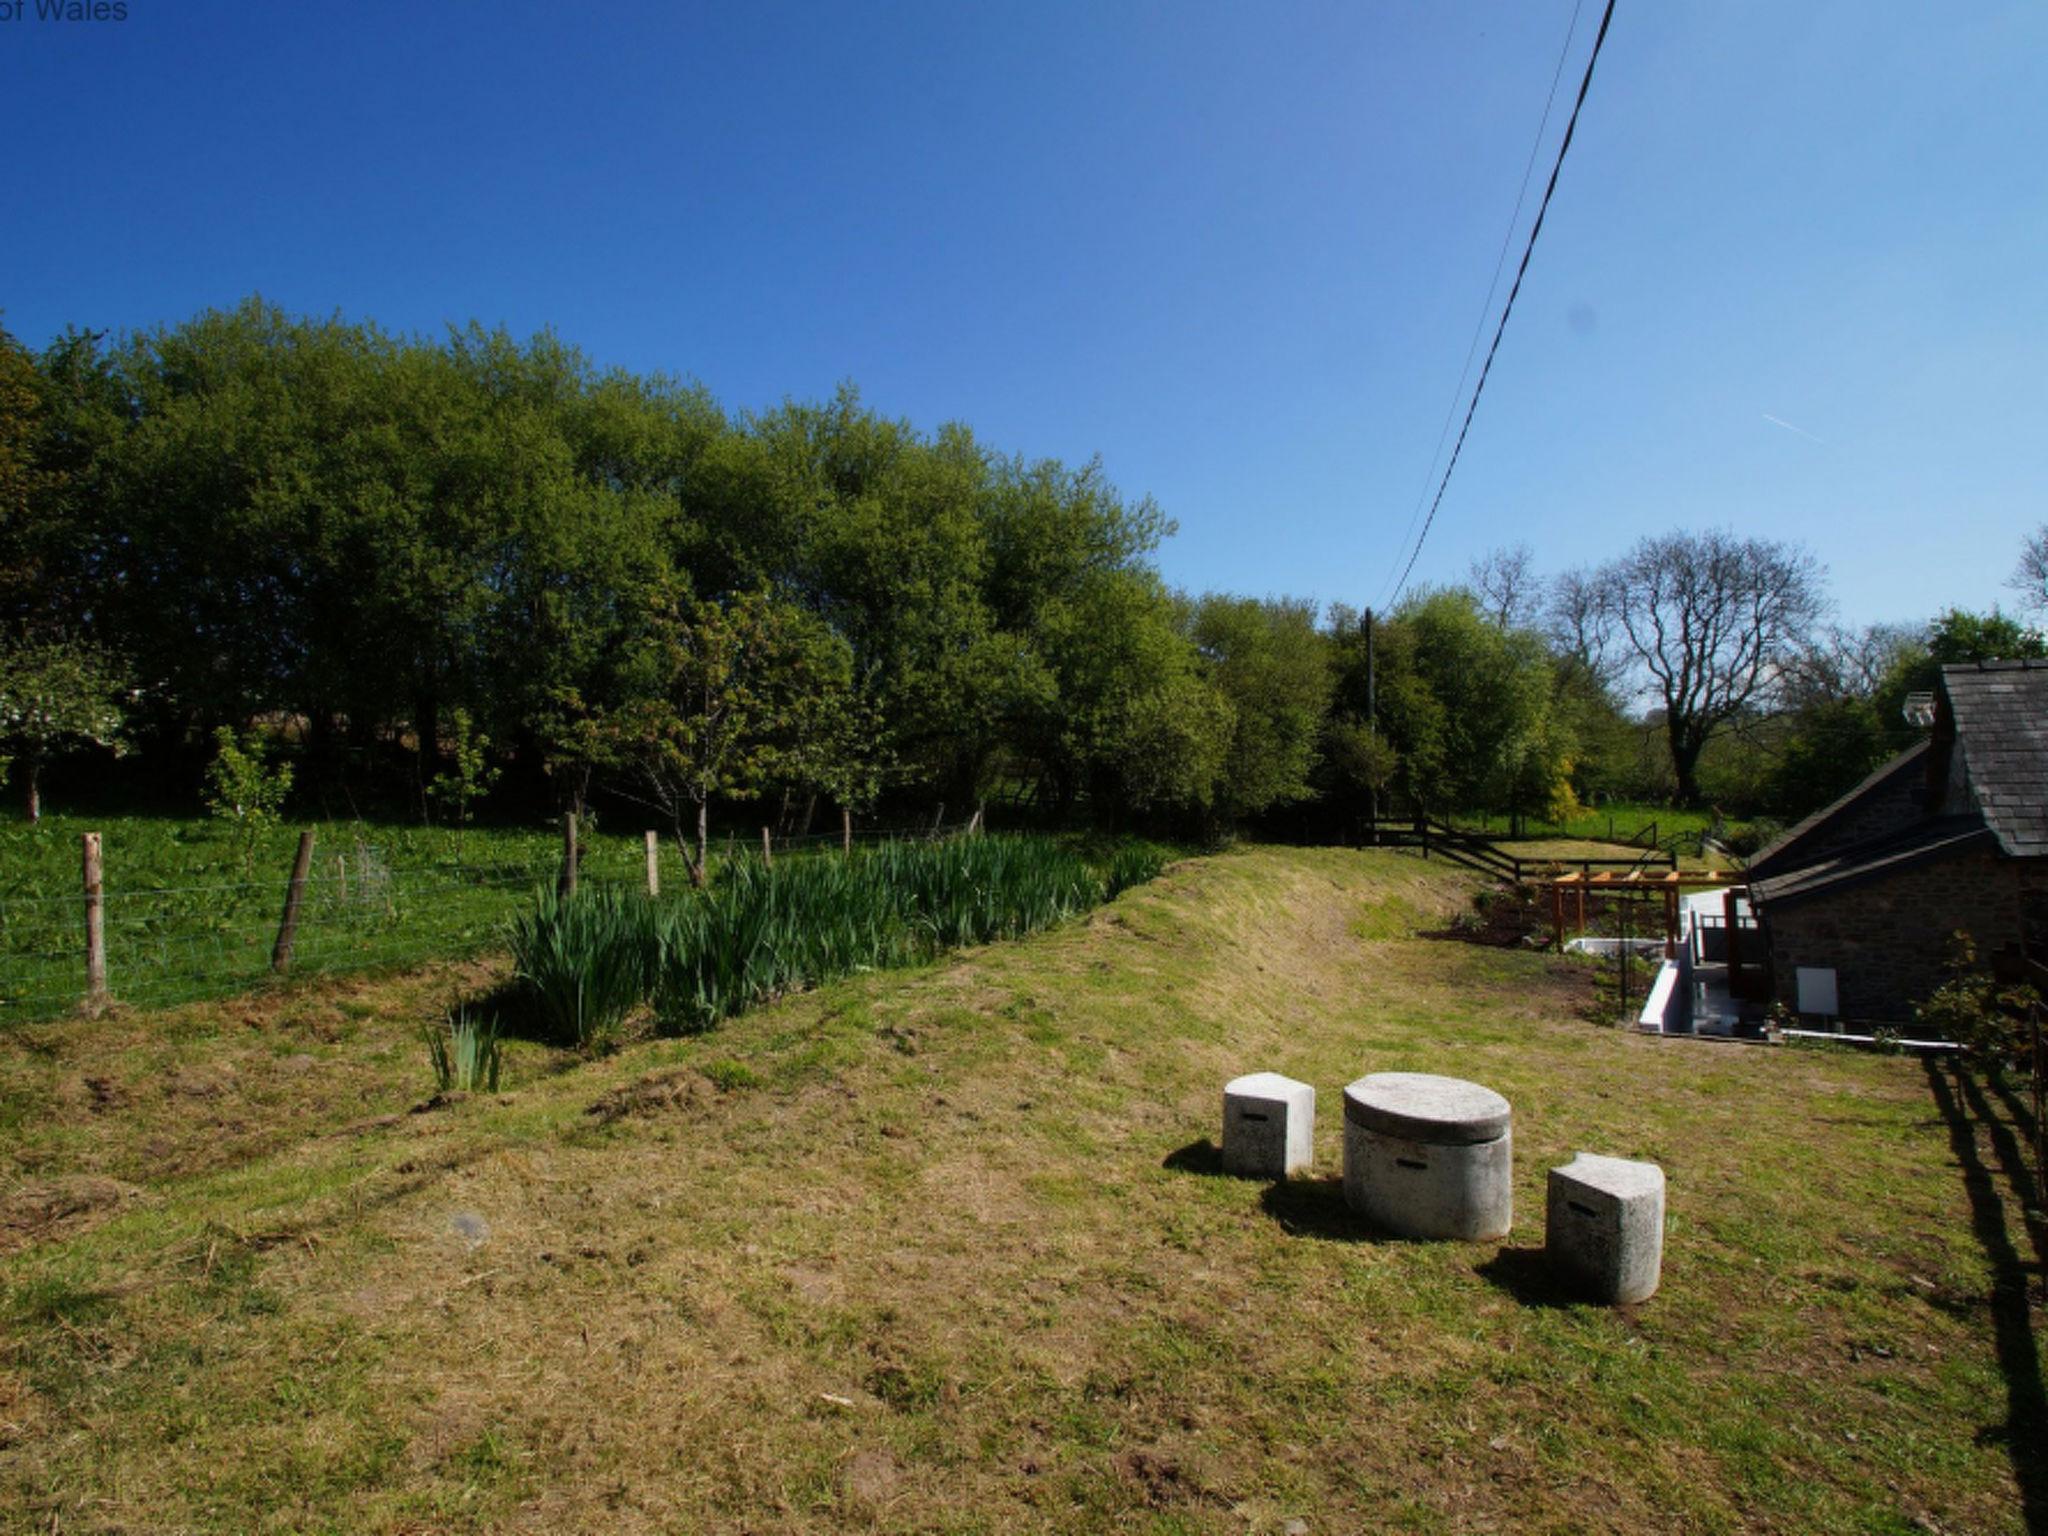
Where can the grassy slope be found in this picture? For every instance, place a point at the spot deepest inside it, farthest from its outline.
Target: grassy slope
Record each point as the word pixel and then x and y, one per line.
pixel 942 1252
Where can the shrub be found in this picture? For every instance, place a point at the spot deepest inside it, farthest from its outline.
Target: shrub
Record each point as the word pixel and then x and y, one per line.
pixel 1971 1008
pixel 243 788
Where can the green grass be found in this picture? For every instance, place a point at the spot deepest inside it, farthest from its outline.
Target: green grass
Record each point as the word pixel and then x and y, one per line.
pixel 1622 822
pixel 585 961
pixel 191 914
pixel 944 1249
pixel 188 916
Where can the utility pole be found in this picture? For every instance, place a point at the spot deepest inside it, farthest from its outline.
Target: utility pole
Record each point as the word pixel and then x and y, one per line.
pixel 1372 719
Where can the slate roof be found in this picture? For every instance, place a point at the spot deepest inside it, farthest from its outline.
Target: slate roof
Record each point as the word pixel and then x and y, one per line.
pixel 2001 719
pixel 1875 859
pixel 1784 848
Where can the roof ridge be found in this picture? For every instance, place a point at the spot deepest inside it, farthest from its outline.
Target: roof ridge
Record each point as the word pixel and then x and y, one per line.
pixel 1998 664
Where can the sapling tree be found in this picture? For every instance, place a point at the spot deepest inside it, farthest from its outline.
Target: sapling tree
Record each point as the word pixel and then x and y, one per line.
pixel 56 696
pixel 244 788
pixel 715 723
pixel 469 776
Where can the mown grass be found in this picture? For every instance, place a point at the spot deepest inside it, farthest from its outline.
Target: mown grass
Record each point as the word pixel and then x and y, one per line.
pixel 945 1250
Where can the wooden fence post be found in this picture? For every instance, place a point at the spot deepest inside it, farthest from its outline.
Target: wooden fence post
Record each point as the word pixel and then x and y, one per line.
pixel 288 926
pixel 767 848
pixel 846 831
pixel 566 884
pixel 341 878
pixel 654 863
pixel 95 924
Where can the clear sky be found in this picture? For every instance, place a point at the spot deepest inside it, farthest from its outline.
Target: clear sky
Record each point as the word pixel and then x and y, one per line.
pixel 1792 283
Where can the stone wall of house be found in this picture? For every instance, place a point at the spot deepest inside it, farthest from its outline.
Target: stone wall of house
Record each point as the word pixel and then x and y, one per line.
pixel 1888 939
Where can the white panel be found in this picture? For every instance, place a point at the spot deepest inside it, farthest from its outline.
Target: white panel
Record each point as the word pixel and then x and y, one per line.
pixel 1817 990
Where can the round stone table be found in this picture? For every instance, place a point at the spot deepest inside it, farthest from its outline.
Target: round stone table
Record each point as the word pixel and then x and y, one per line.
pixel 1429 1156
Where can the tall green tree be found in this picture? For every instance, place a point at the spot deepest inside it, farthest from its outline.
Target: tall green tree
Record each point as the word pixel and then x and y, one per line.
pixel 1266 659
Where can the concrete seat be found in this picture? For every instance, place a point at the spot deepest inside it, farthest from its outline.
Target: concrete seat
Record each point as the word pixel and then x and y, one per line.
pixel 1604 1229
pixel 1269 1125
pixel 1429 1156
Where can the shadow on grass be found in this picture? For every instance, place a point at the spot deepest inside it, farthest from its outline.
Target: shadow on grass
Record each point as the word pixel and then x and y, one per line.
pixel 1525 1275
pixel 1316 1208
pixel 1202 1156
pixel 1963 1106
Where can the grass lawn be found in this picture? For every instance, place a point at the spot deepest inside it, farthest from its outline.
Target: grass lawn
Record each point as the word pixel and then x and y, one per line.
pixel 946 1251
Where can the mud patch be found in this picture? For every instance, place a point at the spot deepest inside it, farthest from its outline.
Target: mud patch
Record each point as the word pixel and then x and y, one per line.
pixel 43 1210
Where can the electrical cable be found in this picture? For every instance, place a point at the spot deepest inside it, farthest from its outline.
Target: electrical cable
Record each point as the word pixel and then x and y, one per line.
pixel 1500 262
pixel 1570 127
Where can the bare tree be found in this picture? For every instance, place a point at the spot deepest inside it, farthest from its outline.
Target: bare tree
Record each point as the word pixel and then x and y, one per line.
pixel 1837 663
pixel 2030 577
pixel 1507 585
pixel 1581 630
pixel 1713 621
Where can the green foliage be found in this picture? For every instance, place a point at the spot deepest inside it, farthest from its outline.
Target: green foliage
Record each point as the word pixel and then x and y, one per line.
pixel 757 931
pixel 465 1053
pixel 1269 663
pixel 582 961
pixel 1970 1007
pixel 56 695
pixel 244 787
pixel 469 776
pixel 736 694
pixel 1468 707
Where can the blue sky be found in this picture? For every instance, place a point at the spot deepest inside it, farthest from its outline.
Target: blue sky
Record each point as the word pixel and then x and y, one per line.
pixel 1238 250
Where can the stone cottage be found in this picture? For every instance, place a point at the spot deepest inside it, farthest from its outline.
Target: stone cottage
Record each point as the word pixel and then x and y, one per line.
pixel 1858 903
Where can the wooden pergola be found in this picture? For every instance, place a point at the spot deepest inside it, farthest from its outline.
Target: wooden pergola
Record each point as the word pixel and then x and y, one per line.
pixel 1633 884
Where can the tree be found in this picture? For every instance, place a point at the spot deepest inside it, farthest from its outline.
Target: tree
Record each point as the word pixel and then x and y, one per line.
pixel 2030 577
pixel 1468 707
pixel 244 788
pixel 1269 664
pixel 1712 621
pixel 726 685
pixel 469 776
pixel 57 695
pixel 1506 584
pixel 1959 637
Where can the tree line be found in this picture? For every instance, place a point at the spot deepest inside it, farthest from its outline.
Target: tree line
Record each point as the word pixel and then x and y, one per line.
pixel 432 569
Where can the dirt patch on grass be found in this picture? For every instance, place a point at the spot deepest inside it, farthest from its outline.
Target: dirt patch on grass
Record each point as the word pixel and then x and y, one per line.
pixel 675 1091
pixel 1504 917
pixel 42 1210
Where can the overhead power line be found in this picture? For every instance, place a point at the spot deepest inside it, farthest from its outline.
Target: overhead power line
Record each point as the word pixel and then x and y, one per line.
pixel 1500 263
pixel 1564 147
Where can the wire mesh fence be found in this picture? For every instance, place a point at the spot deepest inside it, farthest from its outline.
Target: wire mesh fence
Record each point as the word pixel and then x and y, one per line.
pixel 170 941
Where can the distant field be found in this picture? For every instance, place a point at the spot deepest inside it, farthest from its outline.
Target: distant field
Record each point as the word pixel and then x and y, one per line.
pixel 947 1250
pixel 1621 822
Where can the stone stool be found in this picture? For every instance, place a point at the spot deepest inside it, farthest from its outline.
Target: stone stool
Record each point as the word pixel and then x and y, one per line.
pixel 1604 1233
pixel 1428 1156
pixel 1269 1125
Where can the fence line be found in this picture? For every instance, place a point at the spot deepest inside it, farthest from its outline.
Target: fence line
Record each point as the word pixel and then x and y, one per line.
pixel 169 944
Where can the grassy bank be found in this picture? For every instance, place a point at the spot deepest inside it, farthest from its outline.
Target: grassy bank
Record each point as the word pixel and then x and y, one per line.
pixel 946 1250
